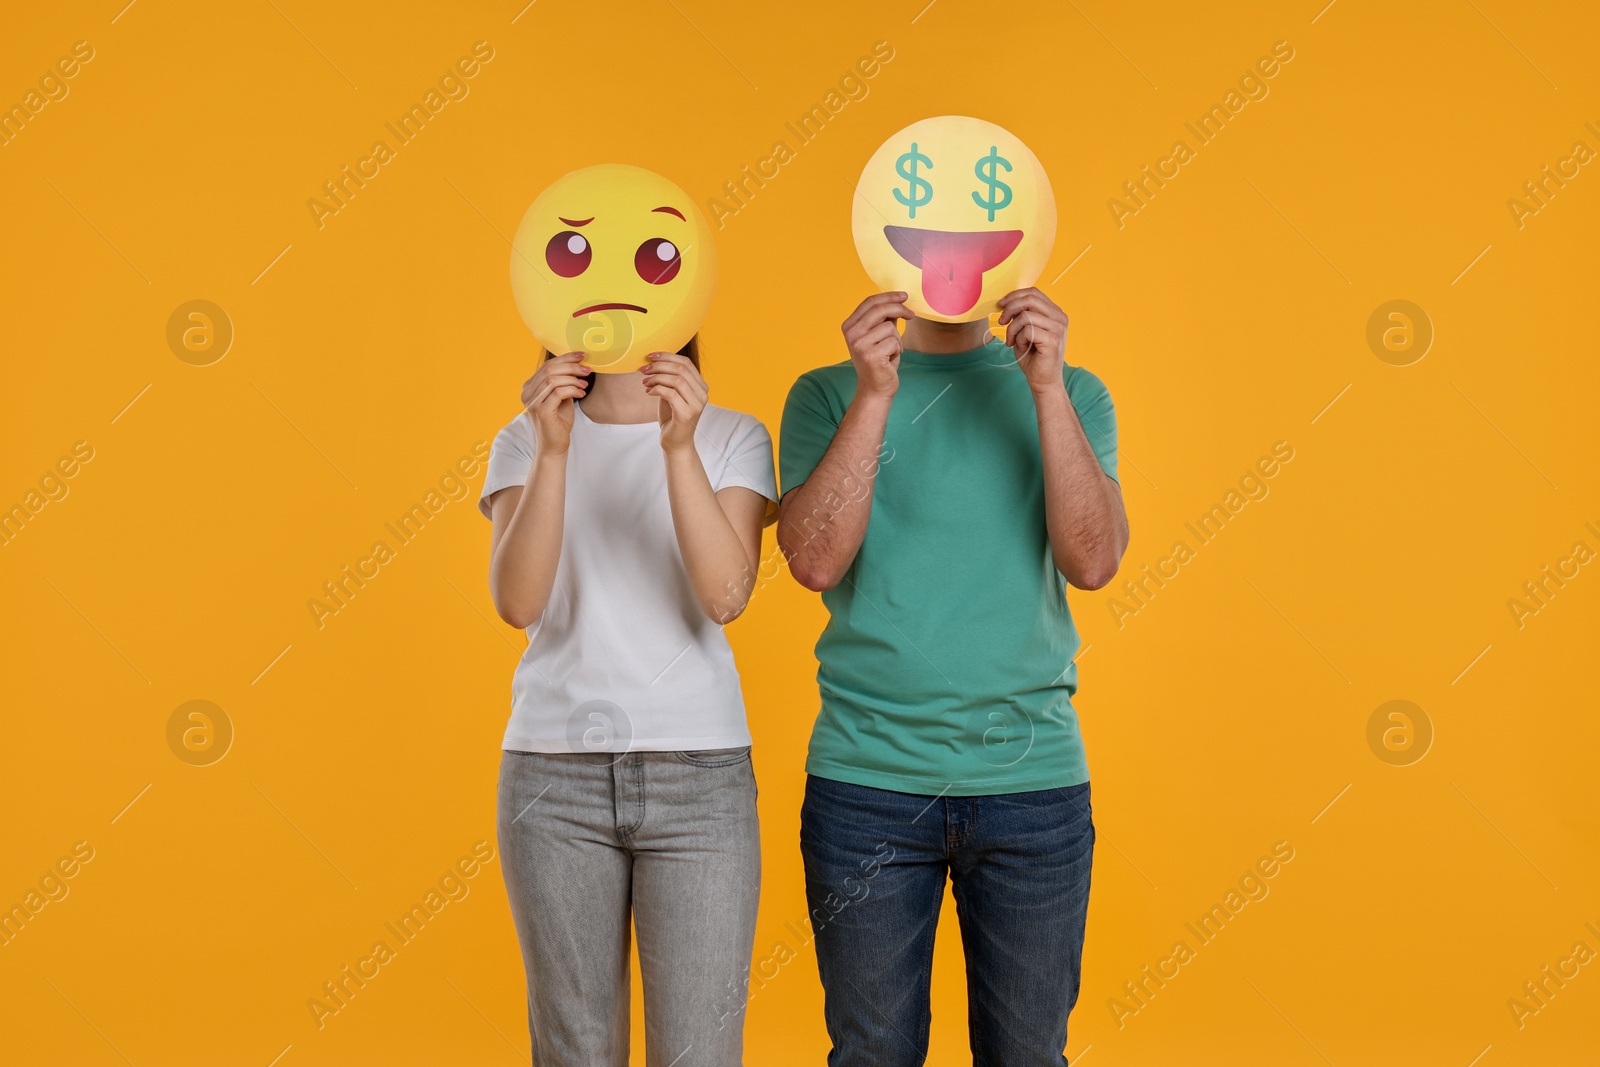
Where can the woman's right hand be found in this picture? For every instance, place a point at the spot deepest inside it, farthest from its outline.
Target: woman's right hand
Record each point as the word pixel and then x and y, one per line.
pixel 547 397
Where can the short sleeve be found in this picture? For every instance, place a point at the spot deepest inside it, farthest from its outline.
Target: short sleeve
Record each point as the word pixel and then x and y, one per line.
pixel 509 459
pixel 809 423
pixel 1092 401
pixel 749 461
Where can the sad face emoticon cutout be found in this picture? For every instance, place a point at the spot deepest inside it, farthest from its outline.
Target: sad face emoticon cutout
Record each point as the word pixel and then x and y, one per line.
pixel 955 212
pixel 615 262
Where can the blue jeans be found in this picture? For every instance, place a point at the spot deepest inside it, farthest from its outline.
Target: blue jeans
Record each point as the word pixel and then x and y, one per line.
pixel 876 863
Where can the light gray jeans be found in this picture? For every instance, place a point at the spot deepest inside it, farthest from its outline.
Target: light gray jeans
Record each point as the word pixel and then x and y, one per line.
pixel 670 837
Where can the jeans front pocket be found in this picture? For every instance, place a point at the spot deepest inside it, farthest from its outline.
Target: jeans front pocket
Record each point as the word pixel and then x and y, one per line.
pixel 715 757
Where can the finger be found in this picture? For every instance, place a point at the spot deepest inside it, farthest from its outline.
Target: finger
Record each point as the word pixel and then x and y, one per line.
pixel 1028 331
pixel 578 388
pixel 564 370
pixel 888 350
pixel 1033 301
pixel 567 357
pixel 685 372
pixel 691 372
pixel 668 357
pixel 558 397
pixel 882 332
pixel 680 406
pixel 868 307
pixel 695 392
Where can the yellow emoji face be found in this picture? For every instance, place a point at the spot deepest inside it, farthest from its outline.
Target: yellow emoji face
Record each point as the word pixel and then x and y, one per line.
pixel 955 212
pixel 615 262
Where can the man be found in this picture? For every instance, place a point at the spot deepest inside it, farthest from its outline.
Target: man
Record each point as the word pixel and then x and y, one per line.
pixel 941 490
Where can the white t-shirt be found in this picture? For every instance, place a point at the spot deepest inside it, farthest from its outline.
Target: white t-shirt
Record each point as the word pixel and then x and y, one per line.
pixel 623 657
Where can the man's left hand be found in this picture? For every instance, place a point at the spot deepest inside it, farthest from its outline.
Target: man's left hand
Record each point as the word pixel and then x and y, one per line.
pixel 1036 331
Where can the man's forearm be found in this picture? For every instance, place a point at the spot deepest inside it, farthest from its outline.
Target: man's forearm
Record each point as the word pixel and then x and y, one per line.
pixel 1083 506
pixel 822 521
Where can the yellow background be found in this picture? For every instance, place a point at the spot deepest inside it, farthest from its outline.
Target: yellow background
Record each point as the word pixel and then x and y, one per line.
pixel 1227 715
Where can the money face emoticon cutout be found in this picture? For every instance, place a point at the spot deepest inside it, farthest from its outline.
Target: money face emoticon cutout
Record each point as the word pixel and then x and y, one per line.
pixel 615 262
pixel 955 212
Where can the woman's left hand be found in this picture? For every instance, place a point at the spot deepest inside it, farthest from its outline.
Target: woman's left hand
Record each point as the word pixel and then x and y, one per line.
pixel 676 382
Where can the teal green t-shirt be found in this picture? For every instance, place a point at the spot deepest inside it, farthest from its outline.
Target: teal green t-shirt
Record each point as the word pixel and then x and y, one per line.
pixel 946 665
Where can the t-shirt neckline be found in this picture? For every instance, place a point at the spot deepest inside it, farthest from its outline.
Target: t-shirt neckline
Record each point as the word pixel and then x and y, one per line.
pixel 952 360
pixel 622 426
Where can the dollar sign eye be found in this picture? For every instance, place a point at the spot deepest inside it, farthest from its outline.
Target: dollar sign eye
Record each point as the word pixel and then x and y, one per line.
pixel 657 261
pixel 568 254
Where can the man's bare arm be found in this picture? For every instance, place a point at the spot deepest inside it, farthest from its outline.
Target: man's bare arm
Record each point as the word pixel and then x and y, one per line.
pixel 822 521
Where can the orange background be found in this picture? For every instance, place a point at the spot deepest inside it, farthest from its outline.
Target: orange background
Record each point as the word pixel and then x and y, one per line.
pixel 1229 713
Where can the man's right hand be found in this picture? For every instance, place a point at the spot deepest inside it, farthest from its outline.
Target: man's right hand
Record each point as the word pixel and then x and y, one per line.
pixel 874 343
pixel 548 397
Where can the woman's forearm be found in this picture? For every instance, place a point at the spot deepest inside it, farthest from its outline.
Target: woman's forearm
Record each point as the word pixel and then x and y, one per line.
pixel 522 570
pixel 721 571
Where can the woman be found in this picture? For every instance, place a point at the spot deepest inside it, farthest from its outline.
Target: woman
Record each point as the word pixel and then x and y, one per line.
pixel 627 531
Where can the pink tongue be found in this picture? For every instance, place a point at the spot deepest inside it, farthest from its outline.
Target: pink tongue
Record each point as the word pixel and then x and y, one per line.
pixel 952 274
pixel 953 263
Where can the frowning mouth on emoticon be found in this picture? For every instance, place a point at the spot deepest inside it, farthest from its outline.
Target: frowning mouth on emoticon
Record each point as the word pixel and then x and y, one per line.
pixel 615 262
pixel 956 212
